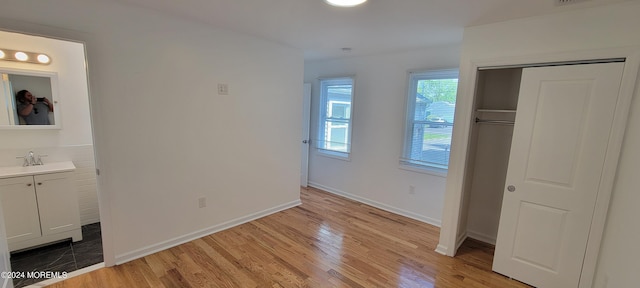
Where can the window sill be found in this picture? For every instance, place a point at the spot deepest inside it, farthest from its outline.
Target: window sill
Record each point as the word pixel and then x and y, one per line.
pixel 424 169
pixel 334 154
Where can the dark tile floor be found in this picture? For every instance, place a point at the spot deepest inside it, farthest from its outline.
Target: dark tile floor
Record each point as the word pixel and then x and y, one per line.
pixel 64 256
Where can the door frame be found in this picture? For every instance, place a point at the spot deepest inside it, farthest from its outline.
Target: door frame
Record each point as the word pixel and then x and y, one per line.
pixel 37 30
pixel 452 233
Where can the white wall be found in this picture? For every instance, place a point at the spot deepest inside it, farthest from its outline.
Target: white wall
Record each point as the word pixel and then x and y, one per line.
pixel 373 174
pixel 589 29
pixel 164 138
pixel 74 140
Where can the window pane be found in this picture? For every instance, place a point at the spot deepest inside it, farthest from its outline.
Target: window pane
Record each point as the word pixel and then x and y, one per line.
pixel 431 143
pixel 430 122
pixel 335 120
pixel 337 136
pixel 339 110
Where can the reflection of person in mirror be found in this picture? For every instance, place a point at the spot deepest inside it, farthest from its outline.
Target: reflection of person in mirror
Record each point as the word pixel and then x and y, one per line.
pixel 34 111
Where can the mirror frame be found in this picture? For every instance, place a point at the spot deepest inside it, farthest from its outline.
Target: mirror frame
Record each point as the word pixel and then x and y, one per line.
pixel 55 98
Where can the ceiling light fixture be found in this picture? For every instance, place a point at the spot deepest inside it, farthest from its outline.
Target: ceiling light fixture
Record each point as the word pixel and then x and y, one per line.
pixel 345 3
pixel 21 56
pixel 44 59
pixel 24 56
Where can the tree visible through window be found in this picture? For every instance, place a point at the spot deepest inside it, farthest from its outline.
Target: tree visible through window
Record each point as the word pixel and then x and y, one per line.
pixel 430 111
pixel 334 129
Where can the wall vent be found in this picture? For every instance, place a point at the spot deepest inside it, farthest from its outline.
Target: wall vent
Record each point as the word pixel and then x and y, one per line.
pixel 567 2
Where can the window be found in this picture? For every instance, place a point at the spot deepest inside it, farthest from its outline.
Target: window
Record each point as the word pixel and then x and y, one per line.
pixel 334 131
pixel 430 109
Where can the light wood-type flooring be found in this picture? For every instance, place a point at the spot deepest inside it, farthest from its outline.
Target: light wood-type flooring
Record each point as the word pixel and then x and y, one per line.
pixel 328 241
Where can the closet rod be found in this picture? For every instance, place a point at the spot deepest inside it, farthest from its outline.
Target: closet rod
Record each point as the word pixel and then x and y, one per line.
pixel 502 122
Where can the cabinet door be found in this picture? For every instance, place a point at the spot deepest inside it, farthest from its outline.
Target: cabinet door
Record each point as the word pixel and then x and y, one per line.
pixel 57 202
pixel 19 208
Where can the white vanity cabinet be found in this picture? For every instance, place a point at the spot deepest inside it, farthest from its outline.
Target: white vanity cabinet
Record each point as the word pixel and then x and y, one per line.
pixel 20 209
pixel 39 205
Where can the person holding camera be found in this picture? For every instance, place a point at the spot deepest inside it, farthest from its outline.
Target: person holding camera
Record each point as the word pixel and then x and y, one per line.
pixel 34 111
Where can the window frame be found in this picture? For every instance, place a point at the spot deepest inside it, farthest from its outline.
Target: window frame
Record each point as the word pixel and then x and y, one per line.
pixel 413 77
pixel 321 144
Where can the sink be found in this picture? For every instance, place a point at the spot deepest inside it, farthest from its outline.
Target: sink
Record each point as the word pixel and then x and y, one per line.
pixel 51 167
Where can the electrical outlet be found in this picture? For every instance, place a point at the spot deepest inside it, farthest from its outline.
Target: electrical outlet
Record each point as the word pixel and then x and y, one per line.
pixel 202 202
pixel 223 89
pixel 412 189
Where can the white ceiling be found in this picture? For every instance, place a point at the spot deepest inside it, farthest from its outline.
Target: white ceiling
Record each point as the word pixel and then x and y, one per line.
pixel 377 26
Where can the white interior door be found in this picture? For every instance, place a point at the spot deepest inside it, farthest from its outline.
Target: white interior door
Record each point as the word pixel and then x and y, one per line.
pixel 306 116
pixel 565 114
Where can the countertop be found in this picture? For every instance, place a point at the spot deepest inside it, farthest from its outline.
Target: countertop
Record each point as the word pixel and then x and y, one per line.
pixel 53 167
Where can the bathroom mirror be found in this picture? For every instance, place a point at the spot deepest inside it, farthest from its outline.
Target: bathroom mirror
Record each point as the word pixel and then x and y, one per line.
pixel 43 114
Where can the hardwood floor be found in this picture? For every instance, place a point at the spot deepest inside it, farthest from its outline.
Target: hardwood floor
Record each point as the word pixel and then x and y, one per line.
pixel 328 241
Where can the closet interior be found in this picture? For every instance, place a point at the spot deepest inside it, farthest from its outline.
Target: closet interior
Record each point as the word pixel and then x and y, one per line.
pixel 490 143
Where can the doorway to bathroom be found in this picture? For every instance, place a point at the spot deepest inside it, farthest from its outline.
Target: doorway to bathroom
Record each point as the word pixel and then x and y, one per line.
pixel 69 140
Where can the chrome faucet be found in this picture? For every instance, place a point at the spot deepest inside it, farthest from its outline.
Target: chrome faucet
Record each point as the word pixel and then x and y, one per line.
pixel 32 159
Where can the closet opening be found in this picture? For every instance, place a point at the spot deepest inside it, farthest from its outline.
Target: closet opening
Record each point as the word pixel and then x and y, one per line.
pixel 495 106
pixel 558 136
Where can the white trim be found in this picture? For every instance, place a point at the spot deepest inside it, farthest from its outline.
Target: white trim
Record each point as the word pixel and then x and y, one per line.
pixel 395 210
pixel 460 240
pixel 410 103
pixel 55 98
pixel 333 154
pixel 607 181
pixel 423 169
pixel 322 113
pixel 481 237
pixel 69 275
pixel 462 130
pixel 139 253
pixel 442 249
pixel 453 201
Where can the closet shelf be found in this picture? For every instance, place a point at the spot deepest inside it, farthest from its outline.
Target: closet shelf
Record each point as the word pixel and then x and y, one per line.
pixel 500 122
pixel 496 110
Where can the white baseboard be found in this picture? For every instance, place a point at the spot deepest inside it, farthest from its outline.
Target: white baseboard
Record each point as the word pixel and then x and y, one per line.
pixel 459 241
pixel 481 237
pixel 405 213
pixel 442 250
pixel 467 234
pixel 139 253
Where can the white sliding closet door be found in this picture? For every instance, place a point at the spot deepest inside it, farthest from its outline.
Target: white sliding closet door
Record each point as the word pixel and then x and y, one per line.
pixel 563 122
